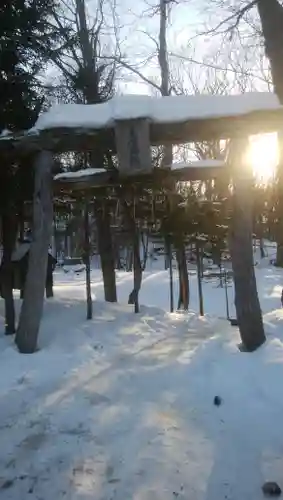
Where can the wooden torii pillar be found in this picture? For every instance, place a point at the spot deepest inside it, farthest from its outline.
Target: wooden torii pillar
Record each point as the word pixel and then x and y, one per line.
pixel 246 296
pixel 134 156
pixel 31 311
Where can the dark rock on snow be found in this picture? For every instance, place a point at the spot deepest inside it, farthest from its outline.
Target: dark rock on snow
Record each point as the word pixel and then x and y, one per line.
pixel 271 489
pixel 217 401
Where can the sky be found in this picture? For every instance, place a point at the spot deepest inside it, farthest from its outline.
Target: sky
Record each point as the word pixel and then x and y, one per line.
pixel 197 63
pixel 138 29
pixel 186 21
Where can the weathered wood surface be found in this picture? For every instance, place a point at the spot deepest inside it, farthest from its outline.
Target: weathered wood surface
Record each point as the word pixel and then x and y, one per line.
pixel 247 303
pixel 114 178
pixel 32 307
pixel 196 130
pixel 133 146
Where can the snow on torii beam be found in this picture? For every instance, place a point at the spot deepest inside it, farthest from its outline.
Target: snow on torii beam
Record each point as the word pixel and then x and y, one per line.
pixel 91 179
pixel 156 120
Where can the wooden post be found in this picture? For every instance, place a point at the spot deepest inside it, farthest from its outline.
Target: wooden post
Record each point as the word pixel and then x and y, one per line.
pixel 87 261
pixel 247 303
pixel 32 307
pixel 133 146
pixel 201 310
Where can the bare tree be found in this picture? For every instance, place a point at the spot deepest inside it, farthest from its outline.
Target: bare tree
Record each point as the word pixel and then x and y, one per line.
pixel 271 17
pixel 214 80
pixel 89 73
pixel 258 27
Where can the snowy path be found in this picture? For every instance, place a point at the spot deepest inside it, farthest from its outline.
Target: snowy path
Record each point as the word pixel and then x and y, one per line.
pixel 121 407
pixel 112 426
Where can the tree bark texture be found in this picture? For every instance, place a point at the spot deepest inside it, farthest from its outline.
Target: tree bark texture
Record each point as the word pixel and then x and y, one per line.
pixel 134 295
pixel 247 304
pixel 32 307
pixel 91 90
pixel 168 247
pixel 184 294
pixel 199 276
pixel 105 248
pixel 137 267
pixel 271 17
pixel 87 262
pixel 9 233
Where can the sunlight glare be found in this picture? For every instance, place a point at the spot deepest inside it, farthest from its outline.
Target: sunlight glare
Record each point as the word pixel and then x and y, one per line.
pixel 263 156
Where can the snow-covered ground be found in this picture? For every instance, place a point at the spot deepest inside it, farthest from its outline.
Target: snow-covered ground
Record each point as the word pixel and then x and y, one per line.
pixel 121 407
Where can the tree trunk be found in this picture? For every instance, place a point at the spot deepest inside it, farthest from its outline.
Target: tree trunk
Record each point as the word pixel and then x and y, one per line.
pixel 246 297
pixel 87 262
pixel 49 285
pixel 184 296
pixel 199 276
pixel 271 17
pixel 119 264
pixel 162 48
pixel 168 253
pixel 9 233
pixel 134 295
pixel 133 230
pixel 145 242
pixel 32 307
pixel 261 248
pixel 168 150
pixel 129 263
pixel 106 250
pixel 92 95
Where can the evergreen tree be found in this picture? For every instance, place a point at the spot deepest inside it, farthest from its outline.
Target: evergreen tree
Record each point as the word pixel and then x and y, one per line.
pixel 26 39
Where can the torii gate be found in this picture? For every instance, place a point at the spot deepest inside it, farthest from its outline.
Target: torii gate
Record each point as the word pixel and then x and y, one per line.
pixel 129 125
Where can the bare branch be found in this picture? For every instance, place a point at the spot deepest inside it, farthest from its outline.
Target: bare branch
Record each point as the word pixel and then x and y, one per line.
pixel 219 68
pixel 137 72
pixel 237 16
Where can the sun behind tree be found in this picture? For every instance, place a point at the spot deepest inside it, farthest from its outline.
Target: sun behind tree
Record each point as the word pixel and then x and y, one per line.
pixel 263 156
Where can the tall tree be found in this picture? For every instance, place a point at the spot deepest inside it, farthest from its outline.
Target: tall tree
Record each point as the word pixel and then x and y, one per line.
pixel 25 37
pixel 162 8
pixel 89 79
pixel 264 32
pixel 271 17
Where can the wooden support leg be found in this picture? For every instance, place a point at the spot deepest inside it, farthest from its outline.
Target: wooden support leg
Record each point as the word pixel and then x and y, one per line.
pixel 32 307
pixel 247 304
